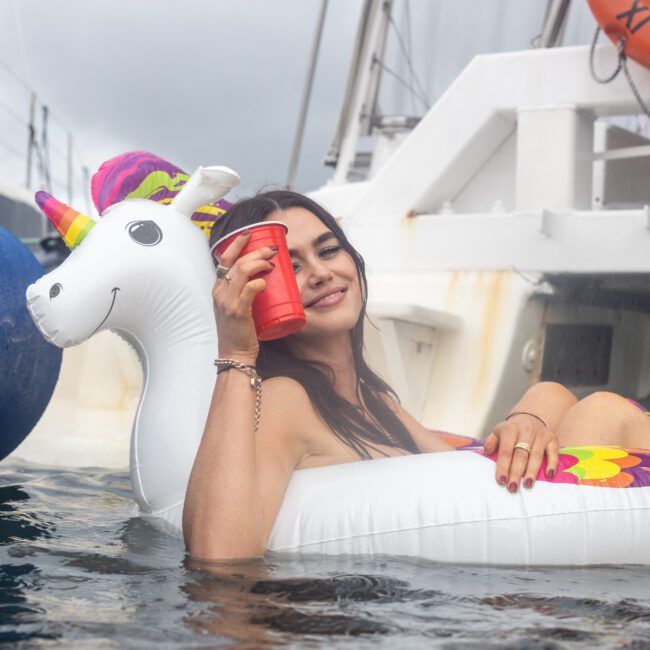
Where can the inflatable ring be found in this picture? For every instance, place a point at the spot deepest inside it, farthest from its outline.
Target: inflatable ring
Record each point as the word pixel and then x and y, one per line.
pixel 144 271
pixel 447 507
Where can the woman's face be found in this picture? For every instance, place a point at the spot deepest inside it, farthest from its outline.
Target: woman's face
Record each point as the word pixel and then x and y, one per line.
pixel 327 276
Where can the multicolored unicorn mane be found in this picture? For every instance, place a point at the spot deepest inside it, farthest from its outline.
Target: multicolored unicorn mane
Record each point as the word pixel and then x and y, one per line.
pixel 143 175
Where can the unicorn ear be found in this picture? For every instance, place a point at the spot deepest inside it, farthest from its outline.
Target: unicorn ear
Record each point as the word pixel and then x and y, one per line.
pixel 206 185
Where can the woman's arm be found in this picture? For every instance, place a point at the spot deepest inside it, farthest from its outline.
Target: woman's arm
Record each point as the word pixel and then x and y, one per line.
pixel 239 477
pixel 549 401
pixel 224 514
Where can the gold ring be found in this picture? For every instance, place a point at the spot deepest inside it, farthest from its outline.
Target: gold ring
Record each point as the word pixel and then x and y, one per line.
pixel 525 446
pixel 222 273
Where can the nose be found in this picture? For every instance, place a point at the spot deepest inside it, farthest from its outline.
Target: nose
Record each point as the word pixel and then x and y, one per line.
pixel 319 273
pixel 55 290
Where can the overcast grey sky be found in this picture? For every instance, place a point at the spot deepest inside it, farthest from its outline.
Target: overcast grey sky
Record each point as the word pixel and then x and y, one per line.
pixel 220 81
pixel 197 82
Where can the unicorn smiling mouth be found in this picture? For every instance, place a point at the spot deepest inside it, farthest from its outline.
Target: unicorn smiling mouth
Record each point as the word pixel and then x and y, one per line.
pixel 114 291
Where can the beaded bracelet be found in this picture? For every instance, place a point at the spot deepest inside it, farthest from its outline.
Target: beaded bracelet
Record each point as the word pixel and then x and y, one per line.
pixel 224 365
pixel 532 415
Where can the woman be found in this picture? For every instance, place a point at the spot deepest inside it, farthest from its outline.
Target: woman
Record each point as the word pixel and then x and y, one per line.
pixel 322 404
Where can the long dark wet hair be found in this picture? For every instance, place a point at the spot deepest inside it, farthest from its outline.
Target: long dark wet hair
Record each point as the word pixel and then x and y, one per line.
pixel 355 426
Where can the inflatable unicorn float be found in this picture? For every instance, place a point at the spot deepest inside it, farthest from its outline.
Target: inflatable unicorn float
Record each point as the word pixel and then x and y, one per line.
pixel 144 271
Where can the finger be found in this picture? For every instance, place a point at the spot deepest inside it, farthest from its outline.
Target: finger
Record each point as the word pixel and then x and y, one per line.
pixel 552 458
pixel 507 438
pixel 241 274
pixel 535 461
pixel 491 443
pixel 249 292
pixel 265 252
pixel 230 255
pixel 520 458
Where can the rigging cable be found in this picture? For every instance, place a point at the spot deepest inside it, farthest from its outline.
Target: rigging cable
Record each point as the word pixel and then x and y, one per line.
pixel 398 78
pixel 6 145
pixel 15 75
pixel 52 116
pixel 45 144
pixel 408 37
pixel 13 113
pixel 422 96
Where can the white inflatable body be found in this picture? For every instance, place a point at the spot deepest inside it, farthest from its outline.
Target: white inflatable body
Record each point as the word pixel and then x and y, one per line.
pixel 447 507
pixel 443 507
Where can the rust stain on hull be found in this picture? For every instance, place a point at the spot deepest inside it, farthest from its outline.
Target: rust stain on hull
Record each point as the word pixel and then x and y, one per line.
pixel 495 285
pixel 452 289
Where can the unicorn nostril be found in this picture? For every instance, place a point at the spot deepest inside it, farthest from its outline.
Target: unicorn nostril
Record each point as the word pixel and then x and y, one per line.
pixel 55 290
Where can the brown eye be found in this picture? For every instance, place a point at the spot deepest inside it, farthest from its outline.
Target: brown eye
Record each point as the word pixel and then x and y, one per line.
pixel 146 233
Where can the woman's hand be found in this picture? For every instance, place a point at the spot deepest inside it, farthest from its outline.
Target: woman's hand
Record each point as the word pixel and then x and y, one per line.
pixel 233 299
pixel 513 464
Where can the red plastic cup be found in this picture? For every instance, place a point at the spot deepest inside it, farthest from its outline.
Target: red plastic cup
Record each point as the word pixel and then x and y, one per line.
pixel 277 311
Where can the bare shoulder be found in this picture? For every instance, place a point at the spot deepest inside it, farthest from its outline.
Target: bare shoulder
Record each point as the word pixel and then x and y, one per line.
pixel 286 406
pixel 281 393
pixel 284 386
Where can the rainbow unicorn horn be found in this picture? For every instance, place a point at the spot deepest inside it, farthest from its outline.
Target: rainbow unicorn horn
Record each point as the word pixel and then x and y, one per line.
pixel 71 225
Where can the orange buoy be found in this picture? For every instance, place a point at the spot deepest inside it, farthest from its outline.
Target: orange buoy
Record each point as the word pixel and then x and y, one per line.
pixel 628 19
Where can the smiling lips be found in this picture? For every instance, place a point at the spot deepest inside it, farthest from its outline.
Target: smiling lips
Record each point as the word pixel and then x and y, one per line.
pixel 329 299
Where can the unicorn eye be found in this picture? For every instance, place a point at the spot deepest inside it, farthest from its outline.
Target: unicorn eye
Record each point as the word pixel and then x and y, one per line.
pixel 55 290
pixel 147 233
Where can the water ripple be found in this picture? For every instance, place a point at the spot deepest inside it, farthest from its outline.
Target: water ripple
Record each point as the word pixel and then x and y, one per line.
pixel 80 569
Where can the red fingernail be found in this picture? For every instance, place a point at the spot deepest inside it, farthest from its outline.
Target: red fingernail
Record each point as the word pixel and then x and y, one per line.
pixel 550 473
pixel 245 232
pixel 512 487
pixel 275 248
pixel 502 480
pixel 528 483
pixel 271 263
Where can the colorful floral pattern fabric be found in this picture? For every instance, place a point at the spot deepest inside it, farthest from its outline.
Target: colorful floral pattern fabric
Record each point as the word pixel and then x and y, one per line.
pixel 611 467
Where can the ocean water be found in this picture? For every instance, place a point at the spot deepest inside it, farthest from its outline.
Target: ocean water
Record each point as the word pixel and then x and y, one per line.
pixel 80 569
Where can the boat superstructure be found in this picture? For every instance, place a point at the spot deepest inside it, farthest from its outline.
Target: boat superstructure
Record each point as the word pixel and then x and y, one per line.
pixel 507 238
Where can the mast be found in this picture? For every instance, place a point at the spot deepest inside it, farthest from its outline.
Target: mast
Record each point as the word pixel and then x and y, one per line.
pixel 359 103
pixel 554 22
pixel 297 145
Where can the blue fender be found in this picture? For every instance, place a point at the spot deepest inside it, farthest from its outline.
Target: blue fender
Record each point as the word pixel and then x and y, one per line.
pixel 29 365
